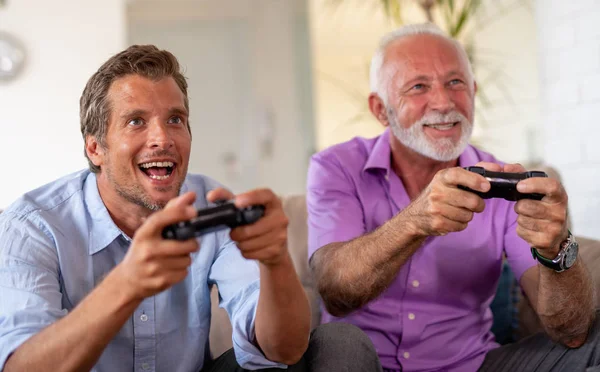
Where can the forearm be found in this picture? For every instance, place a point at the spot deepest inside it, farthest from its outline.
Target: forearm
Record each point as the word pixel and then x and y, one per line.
pixel 565 304
pixel 283 315
pixel 76 342
pixel 351 274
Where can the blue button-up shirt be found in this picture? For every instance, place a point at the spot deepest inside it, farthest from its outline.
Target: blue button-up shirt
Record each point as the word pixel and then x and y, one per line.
pixel 59 241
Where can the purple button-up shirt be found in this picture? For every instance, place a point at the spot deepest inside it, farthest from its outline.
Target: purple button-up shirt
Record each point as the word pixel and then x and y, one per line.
pixel 436 313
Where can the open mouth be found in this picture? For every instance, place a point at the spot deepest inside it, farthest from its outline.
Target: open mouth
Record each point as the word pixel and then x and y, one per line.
pixel 442 126
pixel 158 170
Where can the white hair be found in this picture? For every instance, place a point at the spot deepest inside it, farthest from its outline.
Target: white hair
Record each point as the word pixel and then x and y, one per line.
pixel 375 76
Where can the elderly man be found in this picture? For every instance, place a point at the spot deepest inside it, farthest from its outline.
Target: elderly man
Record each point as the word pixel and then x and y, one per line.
pixel 398 249
pixel 88 282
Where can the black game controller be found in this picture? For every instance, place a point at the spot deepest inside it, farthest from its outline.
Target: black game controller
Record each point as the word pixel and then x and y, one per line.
pixel 504 185
pixel 222 216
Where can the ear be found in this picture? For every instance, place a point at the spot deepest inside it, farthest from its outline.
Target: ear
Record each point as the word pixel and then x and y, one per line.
pixel 378 110
pixel 474 87
pixel 94 150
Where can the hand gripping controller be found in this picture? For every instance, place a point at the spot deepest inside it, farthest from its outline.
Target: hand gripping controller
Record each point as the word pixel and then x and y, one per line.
pixel 504 185
pixel 222 216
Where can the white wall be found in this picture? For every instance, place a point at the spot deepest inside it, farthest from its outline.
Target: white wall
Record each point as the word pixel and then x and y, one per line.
pixel 67 41
pixel 283 85
pixel 569 43
pixel 248 64
pixel 507 70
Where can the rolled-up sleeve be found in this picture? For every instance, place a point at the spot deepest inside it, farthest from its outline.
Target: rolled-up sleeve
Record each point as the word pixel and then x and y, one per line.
pixel 238 281
pixel 335 213
pixel 30 297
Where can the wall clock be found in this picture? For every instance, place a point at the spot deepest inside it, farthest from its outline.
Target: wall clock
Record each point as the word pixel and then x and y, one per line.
pixel 12 57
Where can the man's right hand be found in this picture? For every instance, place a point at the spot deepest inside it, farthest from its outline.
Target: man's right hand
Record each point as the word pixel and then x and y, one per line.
pixel 442 207
pixel 153 264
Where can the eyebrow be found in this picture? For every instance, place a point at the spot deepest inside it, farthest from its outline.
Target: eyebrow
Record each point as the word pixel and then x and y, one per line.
pixel 133 113
pixel 140 112
pixel 178 111
pixel 428 78
pixel 416 79
pixel 454 73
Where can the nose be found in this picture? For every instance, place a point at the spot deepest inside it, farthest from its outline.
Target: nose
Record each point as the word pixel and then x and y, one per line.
pixel 159 136
pixel 440 99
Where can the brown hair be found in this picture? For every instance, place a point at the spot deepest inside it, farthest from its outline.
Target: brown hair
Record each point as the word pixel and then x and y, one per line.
pixel 144 60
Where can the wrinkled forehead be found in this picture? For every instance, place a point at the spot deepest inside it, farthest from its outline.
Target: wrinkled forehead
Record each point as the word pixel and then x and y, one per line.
pixel 135 91
pixel 423 55
pixel 139 88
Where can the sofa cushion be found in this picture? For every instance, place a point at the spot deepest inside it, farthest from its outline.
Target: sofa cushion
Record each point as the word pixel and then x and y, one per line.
pixel 220 326
pixel 504 307
pixel 589 249
pixel 295 208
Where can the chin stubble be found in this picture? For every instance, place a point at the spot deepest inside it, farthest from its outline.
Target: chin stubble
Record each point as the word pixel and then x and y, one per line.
pixel 415 138
pixel 137 195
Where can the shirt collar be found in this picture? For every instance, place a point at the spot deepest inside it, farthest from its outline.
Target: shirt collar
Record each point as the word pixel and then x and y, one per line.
pixel 103 230
pixel 469 157
pixel 379 156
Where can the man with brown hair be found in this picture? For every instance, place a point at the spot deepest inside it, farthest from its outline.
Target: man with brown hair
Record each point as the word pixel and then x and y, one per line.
pixel 88 282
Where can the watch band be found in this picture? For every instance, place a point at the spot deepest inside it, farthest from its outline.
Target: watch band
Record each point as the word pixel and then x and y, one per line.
pixel 554 265
pixel 557 264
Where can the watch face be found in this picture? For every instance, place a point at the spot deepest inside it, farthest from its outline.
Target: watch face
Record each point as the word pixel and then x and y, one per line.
pixel 571 254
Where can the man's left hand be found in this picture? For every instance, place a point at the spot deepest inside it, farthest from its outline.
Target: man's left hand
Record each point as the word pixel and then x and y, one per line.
pixel 543 223
pixel 266 239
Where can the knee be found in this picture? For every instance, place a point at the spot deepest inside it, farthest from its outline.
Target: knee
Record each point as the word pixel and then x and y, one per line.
pixel 341 347
pixel 342 334
pixel 339 329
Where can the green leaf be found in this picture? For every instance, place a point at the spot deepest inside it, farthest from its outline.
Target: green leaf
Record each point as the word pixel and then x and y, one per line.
pixel 467 11
pixel 387 6
pixel 448 11
pixel 464 15
pixel 393 10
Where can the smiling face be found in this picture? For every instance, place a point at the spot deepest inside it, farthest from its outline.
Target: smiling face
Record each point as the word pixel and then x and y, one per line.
pixel 147 146
pixel 430 95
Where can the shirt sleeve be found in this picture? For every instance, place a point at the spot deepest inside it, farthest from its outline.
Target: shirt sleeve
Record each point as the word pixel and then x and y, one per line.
pixel 517 250
pixel 29 282
pixel 335 213
pixel 238 281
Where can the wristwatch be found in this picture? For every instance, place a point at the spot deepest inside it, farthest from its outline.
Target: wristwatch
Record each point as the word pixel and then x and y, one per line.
pixel 564 259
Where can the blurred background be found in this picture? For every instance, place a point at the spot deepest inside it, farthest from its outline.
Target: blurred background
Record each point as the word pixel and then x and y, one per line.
pixel 273 81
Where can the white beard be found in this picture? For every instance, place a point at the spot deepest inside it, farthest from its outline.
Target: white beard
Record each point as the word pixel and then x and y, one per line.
pixel 443 149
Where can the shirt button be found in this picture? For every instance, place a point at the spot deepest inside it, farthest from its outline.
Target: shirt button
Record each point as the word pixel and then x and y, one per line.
pixel 146 366
pixel 415 283
pixel 144 318
pixel 406 355
pixel 411 316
